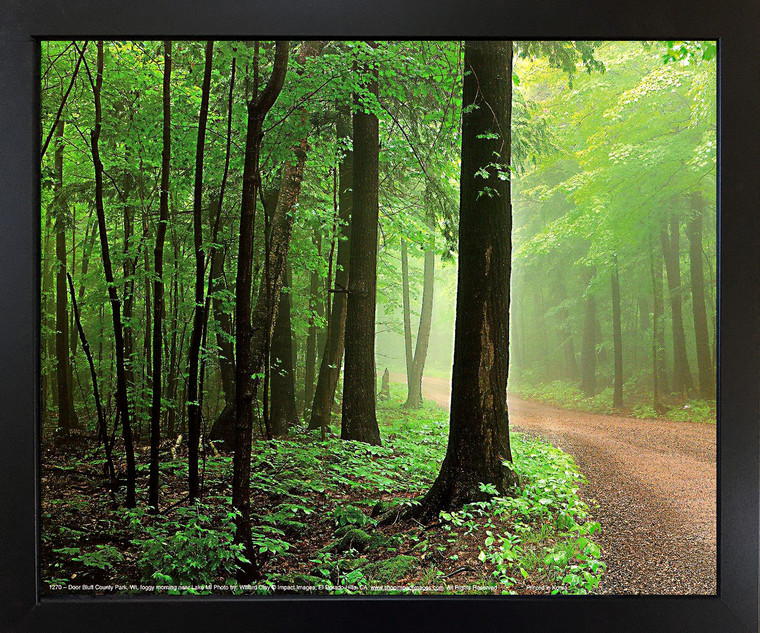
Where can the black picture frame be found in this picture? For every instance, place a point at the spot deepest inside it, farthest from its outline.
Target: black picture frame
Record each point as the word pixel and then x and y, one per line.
pixel 735 23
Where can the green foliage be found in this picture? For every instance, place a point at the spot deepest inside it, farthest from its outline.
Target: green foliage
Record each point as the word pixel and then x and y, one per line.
pixel 194 547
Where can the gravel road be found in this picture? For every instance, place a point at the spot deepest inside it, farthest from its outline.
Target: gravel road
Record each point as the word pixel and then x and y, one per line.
pixel 655 485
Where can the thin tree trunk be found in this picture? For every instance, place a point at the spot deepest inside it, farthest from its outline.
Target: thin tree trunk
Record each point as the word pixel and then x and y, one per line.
pixel 316 310
pixel 658 347
pixel 47 322
pixel 682 380
pixel 122 401
pixel 359 421
pixel 158 283
pixel 571 362
pixel 102 430
pixel 414 379
pixel 199 316
pixel 216 273
pixel 588 350
pixel 617 338
pixel 282 384
pixel 329 370
pixel 478 442
pixel 405 305
pixel 704 364
pixel 245 365
pixel 65 419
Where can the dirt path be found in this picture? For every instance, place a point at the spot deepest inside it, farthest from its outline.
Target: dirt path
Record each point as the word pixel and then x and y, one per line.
pixel 654 481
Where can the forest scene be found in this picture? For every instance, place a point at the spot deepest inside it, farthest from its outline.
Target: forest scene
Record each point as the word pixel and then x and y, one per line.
pixel 378 317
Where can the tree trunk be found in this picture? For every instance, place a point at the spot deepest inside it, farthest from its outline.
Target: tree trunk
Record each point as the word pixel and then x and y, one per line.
pixel 406 308
pixel 704 364
pixel 316 309
pixel 158 283
pixel 588 349
pixel 47 322
pixel 414 377
pixel 262 320
pixel 216 284
pixel 129 289
pixel 122 401
pixel 102 430
pixel 199 316
pixel 682 381
pixel 658 347
pixel 617 338
pixel 329 370
pixel 478 442
pixel 571 362
pixel 359 421
pixel 245 367
pixel 282 384
pixel 66 419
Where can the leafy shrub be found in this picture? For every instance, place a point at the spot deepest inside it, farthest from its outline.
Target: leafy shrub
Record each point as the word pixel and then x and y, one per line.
pixel 188 549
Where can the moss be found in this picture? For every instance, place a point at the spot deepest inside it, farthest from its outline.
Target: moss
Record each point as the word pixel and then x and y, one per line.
pixel 360 541
pixel 390 570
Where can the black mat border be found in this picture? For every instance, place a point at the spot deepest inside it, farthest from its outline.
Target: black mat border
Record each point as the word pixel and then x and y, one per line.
pixel 734 23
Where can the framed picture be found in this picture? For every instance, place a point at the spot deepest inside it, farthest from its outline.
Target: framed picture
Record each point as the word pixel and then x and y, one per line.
pixel 50 581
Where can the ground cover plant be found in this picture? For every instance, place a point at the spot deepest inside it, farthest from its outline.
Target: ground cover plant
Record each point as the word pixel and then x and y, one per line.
pixel 320 505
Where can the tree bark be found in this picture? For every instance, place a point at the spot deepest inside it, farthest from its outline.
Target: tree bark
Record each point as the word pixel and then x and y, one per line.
pixel 122 401
pixel 199 316
pixel 704 363
pixel 329 370
pixel 359 421
pixel 158 283
pixel 245 366
pixel 282 384
pixel 478 445
pixel 617 338
pixel 682 380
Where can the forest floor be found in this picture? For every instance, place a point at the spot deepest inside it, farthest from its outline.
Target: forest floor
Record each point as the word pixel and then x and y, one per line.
pixel 655 485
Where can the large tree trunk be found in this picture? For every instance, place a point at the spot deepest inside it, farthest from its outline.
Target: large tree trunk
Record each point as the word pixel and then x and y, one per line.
pixel 245 366
pixel 415 372
pixel 158 283
pixel 704 364
pixel 199 316
pixel 617 338
pixel 588 345
pixel 359 421
pixel 682 380
pixel 66 416
pixel 329 370
pixel 478 442
pixel 282 384
pixel 122 402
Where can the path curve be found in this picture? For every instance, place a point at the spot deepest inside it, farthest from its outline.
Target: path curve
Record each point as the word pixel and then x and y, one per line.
pixel 655 485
